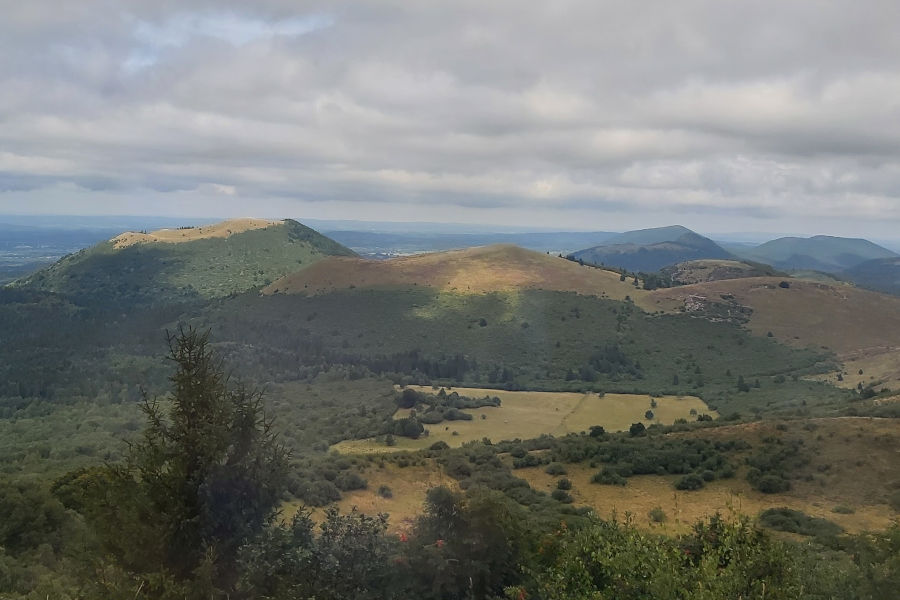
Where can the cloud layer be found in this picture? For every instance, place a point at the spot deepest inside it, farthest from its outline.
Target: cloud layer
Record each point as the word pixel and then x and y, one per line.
pixel 604 115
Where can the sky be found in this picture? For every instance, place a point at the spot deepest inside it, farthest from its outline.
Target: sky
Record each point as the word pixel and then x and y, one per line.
pixel 721 116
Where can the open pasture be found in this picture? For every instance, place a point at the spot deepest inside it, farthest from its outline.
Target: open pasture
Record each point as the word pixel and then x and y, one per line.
pixel 527 415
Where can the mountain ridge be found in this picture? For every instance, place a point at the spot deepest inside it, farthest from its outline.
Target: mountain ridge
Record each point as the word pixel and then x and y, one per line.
pixel 650 250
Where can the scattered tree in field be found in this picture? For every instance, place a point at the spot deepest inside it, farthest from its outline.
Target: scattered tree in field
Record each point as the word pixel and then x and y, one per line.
pixel 637 429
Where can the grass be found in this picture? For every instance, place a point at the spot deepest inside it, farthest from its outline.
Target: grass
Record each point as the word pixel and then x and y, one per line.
pixel 202 268
pixel 846 320
pixel 852 465
pixel 644 493
pixel 527 415
pixel 471 271
pixel 408 488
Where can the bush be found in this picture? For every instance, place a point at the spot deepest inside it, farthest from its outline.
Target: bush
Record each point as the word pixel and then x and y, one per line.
pixel 319 493
pixel 518 452
pixel 608 477
pixel 350 480
pixel 657 515
pixel 562 496
pixel 597 431
pixel 564 484
pixel 770 483
pixel 843 509
pixel 795 521
pixel 689 482
pixel 637 429
pixel 555 468
pixel 529 460
pixel 385 491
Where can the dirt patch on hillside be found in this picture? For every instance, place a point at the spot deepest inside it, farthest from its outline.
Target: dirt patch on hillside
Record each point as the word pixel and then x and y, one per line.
pixel 474 270
pixel 189 234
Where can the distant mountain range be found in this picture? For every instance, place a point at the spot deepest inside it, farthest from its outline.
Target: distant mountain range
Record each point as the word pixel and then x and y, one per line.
pixel 650 250
pixel 30 244
pixel 820 253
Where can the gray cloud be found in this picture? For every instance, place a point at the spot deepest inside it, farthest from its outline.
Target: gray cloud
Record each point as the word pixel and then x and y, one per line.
pixel 725 116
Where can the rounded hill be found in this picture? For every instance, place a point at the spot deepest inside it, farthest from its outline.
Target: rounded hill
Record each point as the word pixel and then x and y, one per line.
pixel 139 268
pixel 474 270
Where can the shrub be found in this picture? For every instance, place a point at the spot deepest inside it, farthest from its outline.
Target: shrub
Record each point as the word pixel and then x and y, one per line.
pixel 657 515
pixel 458 467
pixel 637 429
pixel 689 482
pixel 795 521
pixel 769 483
pixel 843 509
pixel 562 496
pixel 350 480
pixel 564 484
pixel 555 468
pixel 385 491
pixel 597 431
pixel 608 477
pixel 529 460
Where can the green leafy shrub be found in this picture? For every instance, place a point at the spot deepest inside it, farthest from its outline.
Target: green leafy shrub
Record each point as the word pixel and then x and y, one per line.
pixel 795 521
pixel 608 477
pixel 689 482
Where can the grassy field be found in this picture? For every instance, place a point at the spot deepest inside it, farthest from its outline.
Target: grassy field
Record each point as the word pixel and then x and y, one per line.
pixel 879 369
pixel 407 485
pixel 853 469
pixel 526 415
pixel 682 509
pixel 189 234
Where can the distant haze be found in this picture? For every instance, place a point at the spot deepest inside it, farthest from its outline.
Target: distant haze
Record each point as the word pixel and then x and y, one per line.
pixel 577 115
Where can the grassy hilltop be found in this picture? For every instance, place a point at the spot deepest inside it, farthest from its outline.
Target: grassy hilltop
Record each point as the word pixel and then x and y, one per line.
pixel 185 264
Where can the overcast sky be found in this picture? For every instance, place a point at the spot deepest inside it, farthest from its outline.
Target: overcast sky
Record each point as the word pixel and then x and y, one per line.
pixel 722 116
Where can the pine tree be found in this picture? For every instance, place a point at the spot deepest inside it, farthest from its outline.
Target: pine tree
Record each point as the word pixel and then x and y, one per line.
pixel 205 477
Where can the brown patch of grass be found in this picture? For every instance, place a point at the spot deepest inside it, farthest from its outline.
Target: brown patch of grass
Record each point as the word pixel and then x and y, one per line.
pixel 878 369
pixel 529 414
pixel 645 492
pixel 175 236
pixel 471 271
pixel 408 488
